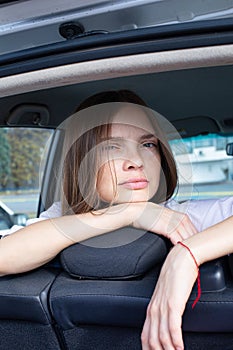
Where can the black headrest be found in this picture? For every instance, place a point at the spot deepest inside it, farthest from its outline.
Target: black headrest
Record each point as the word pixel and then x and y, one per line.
pixel 122 254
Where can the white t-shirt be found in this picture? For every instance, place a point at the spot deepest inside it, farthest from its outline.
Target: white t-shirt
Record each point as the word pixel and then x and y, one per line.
pixel 203 213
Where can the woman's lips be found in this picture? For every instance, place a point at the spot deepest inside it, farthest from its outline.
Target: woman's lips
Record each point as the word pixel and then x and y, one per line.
pixel 135 184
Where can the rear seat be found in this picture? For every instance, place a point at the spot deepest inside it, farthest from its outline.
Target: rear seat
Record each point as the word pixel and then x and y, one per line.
pixel 49 310
pixel 109 315
pixel 94 314
pixel 25 319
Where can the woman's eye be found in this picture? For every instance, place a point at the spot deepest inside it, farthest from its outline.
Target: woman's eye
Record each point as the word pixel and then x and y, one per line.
pixel 150 144
pixel 111 147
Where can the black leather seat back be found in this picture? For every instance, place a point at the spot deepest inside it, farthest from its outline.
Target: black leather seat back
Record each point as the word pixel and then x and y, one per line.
pixel 25 319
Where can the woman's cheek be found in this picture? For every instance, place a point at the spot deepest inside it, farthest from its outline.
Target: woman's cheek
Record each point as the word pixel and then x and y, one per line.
pixel 105 183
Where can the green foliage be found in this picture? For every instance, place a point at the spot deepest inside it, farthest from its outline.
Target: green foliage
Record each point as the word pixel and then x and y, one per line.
pixel 26 149
pixel 5 166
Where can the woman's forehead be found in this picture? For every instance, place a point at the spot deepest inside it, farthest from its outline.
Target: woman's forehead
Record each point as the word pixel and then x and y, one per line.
pixel 130 132
pixel 132 117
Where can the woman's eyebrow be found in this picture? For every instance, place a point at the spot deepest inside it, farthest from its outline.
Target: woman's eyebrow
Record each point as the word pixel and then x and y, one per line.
pixel 112 138
pixel 119 138
pixel 148 136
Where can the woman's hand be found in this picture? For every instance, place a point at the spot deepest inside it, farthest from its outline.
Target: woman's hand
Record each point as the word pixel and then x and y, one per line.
pixel 162 327
pixel 172 224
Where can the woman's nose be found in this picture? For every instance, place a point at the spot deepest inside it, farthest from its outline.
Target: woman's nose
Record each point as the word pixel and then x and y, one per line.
pixel 133 160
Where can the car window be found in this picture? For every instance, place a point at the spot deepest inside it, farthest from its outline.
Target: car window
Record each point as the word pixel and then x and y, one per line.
pixel 5 222
pixel 205 169
pixel 20 166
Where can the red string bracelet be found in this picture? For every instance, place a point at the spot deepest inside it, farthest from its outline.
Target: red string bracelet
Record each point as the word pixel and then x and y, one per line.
pixel 198 274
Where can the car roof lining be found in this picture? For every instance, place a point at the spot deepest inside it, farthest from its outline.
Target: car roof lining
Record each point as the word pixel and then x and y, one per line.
pixel 116 67
pixel 192 81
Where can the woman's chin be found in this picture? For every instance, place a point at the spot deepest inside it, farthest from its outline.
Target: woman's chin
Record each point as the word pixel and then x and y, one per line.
pixel 130 197
pixel 133 199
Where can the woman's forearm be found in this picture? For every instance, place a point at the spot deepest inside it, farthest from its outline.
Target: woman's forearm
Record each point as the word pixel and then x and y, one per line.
pixel 212 243
pixel 38 243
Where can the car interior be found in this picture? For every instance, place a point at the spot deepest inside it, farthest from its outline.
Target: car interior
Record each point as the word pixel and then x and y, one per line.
pixel 90 298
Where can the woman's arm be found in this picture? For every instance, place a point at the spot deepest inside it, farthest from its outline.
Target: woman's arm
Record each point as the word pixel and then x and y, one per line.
pixel 162 327
pixel 38 243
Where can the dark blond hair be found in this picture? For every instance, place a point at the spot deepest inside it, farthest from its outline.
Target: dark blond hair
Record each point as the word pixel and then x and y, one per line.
pixel 79 186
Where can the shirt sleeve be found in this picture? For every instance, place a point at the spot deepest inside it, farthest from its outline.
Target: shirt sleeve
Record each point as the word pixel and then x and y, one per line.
pixel 205 213
pixel 215 211
pixel 53 212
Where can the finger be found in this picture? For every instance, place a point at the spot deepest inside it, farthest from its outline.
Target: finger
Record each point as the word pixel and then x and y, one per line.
pixel 178 224
pixel 193 228
pixel 184 232
pixel 189 226
pixel 175 237
pixel 186 229
pixel 145 335
pixel 164 333
pixel 150 340
pixel 175 330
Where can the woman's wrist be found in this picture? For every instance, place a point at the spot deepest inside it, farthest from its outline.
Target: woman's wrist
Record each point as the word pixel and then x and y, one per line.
pixel 199 247
pixel 182 256
pixel 198 272
pixel 213 242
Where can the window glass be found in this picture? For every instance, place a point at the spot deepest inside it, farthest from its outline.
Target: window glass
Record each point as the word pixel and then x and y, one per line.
pixel 21 151
pixel 211 168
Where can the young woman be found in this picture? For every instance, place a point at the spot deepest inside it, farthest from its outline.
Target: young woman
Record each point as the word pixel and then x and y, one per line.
pixel 117 168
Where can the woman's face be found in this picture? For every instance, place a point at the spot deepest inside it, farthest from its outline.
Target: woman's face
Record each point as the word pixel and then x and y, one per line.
pixel 130 170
